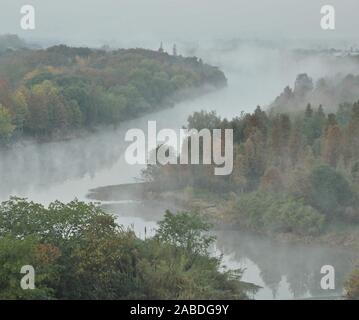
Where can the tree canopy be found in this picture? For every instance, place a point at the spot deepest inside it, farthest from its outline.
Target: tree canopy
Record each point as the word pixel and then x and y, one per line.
pixel 79 252
pixel 52 92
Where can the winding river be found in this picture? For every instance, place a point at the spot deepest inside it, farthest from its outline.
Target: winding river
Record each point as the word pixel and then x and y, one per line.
pixel 67 169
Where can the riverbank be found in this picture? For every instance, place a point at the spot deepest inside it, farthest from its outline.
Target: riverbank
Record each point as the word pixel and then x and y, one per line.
pixel 180 97
pixel 213 207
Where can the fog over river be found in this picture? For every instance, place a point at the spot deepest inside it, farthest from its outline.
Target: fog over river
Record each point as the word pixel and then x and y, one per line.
pixel 68 169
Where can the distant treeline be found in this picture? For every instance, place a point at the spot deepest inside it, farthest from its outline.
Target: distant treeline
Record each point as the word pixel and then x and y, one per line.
pixel 11 42
pixel 329 92
pixel 53 91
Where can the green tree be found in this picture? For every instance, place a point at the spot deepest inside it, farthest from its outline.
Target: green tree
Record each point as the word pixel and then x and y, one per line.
pixel 185 230
pixel 16 253
pixel 204 120
pixel 329 190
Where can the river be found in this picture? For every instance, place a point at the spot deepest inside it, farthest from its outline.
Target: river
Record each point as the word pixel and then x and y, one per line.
pixel 68 169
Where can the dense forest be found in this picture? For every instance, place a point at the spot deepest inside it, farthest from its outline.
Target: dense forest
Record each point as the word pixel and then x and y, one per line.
pixel 291 174
pixel 79 252
pixel 51 92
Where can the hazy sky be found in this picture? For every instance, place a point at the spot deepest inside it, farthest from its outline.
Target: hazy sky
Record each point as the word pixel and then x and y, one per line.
pixel 136 21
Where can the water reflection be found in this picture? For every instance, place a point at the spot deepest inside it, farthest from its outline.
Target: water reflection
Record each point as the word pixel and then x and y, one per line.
pixel 285 270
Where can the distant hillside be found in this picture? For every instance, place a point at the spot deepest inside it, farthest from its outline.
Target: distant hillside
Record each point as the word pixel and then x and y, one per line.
pixel 53 91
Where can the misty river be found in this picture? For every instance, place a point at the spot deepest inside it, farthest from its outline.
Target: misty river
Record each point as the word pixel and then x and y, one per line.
pixel 68 169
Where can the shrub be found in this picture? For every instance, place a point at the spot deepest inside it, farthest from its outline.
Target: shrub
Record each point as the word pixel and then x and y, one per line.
pixel 273 212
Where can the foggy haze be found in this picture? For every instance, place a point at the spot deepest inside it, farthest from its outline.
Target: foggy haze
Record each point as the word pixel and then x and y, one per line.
pixel 146 22
pixel 251 41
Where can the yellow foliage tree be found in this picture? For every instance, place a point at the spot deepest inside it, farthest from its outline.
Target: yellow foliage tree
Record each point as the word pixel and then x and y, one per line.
pixel 6 127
